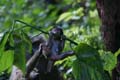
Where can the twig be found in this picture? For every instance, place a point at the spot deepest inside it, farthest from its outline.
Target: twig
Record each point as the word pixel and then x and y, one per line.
pixel 71 41
pixel 33 27
pixel 28 25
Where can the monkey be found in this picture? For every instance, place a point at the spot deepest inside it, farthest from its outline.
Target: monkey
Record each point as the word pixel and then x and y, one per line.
pixel 40 64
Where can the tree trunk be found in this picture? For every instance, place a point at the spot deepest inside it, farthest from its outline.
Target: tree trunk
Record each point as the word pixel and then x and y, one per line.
pixel 109 13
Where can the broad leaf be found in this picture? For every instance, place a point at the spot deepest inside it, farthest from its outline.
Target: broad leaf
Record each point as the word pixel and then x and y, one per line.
pixel 88 65
pixel 6 60
pixel 110 61
pixel 65 15
pixel 27 42
pixel 3 42
pixel 19 56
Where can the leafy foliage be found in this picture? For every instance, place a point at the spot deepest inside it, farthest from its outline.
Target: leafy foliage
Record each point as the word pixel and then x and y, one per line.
pixel 13 49
pixel 88 65
pixel 80 22
pixel 4 54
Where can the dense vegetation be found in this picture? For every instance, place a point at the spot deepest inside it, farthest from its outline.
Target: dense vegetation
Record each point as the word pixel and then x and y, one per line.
pixel 80 22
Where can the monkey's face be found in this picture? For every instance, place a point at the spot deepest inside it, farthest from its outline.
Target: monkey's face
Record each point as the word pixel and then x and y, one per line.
pixel 56 33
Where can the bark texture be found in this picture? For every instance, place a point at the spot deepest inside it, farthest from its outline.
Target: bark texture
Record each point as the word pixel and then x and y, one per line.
pixel 109 13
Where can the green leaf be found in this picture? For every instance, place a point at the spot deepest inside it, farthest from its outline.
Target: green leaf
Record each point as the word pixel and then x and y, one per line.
pixel 19 56
pixel 76 69
pixel 3 42
pixel 88 65
pixel 110 61
pixel 84 51
pixel 6 56
pixel 6 60
pixel 64 16
pixel 75 15
pixel 11 40
pixel 27 42
pixel 117 53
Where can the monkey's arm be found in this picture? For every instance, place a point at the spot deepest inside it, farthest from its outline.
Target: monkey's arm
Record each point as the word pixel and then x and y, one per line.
pixel 62 55
pixel 33 60
pixel 65 54
pixel 54 58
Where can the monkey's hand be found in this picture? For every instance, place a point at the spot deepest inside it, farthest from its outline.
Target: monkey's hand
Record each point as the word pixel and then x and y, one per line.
pixel 54 58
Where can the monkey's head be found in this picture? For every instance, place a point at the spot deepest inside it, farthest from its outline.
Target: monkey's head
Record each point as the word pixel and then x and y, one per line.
pixel 56 33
